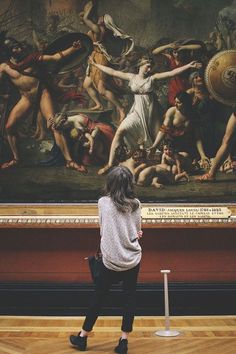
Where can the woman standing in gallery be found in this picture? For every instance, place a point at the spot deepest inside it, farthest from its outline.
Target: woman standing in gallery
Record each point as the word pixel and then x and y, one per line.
pixel 120 227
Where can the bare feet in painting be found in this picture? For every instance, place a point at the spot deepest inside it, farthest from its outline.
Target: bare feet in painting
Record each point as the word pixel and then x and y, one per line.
pixel 10 164
pixel 39 135
pixel 98 107
pixel 207 177
pixel 72 165
pixel 182 177
pixel 104 170
pixel 157 185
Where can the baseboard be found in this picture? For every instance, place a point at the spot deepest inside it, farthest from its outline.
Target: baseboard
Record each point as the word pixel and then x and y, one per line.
pixel 61 299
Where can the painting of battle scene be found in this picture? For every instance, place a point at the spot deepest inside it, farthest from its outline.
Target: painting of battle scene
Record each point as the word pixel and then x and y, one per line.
pixel 88 85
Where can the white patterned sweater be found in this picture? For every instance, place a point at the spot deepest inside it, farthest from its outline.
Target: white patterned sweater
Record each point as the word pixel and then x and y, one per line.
pixel 119 244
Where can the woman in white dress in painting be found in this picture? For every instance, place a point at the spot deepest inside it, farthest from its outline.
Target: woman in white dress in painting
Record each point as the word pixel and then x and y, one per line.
pixel 143 118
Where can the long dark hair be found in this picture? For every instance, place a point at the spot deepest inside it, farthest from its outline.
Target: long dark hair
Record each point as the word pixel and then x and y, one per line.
pixel 119 187
pixel 186 100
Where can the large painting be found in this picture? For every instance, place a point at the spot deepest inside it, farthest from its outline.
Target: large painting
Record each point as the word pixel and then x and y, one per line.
pixel 86 85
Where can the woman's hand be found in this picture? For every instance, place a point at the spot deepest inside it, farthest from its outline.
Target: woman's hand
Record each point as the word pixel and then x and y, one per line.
pixel 194 64
pixel 205 162
pixel 91 145
pixel 81 17
pixel 91 61
pixel 174 46
pixel 140 234
pixel 77 45
pixel 88 6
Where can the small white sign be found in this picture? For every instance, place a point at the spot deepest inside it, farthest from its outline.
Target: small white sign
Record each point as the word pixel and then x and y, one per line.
pixel 169 212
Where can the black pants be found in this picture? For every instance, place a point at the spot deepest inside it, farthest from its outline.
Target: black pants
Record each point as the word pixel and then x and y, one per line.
pixel 102 287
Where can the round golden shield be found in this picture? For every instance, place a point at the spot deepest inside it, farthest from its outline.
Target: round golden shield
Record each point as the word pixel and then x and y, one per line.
pixel 220 77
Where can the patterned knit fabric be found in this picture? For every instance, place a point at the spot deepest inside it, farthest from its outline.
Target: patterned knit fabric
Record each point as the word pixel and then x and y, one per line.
pixel 118 230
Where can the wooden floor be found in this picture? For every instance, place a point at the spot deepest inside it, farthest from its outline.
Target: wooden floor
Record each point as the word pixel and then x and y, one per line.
pixel 49 335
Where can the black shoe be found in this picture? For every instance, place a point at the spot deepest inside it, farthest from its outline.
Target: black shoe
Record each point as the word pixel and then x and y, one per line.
pixel 122 347
pixel 79 342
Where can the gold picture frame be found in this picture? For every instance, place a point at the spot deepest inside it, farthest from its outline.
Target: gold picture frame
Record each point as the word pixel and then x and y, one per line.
pixel 86 215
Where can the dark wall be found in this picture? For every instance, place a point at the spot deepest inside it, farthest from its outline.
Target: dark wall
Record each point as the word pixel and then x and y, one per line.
pixel 43 272
pixel 58 254
pixel 150 20
pixel 147 21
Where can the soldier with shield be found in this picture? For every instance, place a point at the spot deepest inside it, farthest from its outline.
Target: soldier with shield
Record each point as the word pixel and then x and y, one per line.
pixel 25 72
pixel 220 77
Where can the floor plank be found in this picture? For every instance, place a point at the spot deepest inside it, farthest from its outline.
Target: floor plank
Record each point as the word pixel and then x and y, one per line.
pixel 49 335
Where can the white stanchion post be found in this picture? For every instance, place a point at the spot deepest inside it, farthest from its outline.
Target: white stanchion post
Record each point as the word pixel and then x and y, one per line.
pixel 167 332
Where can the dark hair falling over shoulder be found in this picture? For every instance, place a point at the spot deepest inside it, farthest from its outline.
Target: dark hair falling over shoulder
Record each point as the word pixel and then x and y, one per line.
pixel 120 188
pixel 186 100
